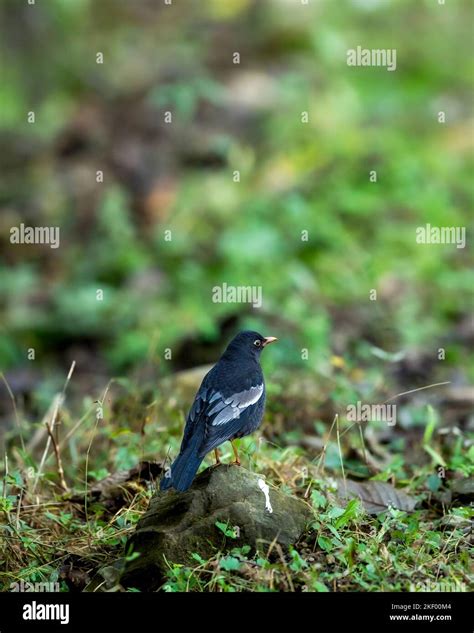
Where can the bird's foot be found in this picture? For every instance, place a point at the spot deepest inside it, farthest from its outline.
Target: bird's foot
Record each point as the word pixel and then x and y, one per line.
pixel 236 463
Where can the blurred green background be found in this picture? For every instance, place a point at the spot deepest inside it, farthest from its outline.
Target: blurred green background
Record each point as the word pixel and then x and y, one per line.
pixel 141 352
pixel 178 177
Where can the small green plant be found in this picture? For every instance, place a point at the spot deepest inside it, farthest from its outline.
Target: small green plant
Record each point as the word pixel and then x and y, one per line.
pixel 229 532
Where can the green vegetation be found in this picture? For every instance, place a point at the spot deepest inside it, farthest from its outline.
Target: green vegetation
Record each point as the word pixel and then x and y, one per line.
pixel 59 536
pixel 169 222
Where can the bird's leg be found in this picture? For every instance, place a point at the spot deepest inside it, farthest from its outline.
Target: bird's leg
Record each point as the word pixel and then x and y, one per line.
pixel 236 454
pixel 218 458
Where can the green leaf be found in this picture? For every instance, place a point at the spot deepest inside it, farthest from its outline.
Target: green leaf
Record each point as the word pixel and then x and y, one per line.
pixel 430 425
pixel 349 514
pixel 470 454
pixel 335 512
pixel 325 543
pixel 318 500
pixel 228 531
pixel 199 559
pixel 297 563
pixel 434 483
pixel 229 563
pixel 319 586
pixel 6 503
pixel 436 457
pixel 241 551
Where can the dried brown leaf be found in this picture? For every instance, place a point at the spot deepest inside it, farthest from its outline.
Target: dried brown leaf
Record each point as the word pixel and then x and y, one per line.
pixel 376 496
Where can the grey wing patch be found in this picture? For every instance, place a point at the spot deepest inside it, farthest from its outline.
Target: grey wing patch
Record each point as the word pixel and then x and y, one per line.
pixel 230 408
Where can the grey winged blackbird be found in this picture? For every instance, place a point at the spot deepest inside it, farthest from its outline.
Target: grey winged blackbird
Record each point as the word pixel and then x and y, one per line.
pixel 229 404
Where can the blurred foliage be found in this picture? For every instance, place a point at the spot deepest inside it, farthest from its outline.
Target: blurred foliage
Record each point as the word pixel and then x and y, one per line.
pixel 157 293
pixel 178 177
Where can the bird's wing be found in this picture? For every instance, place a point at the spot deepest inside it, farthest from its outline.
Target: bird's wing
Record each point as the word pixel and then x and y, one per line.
pixel 226 415
pixel 225 409
pixel 197 411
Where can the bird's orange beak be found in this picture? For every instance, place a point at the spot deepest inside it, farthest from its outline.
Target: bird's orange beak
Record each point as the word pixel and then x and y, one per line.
pixel 269 339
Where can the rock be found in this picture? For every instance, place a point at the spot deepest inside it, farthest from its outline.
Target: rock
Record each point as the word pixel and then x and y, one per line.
pixel 176 525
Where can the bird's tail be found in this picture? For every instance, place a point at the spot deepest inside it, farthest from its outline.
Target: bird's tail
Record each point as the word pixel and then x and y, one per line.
pixel 182 471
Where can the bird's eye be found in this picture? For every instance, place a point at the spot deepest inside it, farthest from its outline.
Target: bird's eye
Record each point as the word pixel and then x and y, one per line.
pixel 257 343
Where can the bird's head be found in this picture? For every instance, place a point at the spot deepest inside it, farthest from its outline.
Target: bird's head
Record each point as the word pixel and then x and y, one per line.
pixel 248 343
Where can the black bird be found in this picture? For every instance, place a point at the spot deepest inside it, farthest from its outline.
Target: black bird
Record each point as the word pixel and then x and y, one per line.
pixel 229 404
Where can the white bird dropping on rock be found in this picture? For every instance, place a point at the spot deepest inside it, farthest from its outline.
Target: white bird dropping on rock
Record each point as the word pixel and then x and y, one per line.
pixel 266 491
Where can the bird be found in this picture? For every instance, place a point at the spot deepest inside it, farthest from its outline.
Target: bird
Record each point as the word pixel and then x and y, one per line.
pixel 228 405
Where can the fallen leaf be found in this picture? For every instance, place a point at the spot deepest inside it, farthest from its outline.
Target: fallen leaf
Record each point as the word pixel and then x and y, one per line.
pixel 463 489
pixel 114 490
pixel 376 496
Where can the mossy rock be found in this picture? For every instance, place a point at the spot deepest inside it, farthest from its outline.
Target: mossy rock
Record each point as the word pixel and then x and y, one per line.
pixel 176 525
